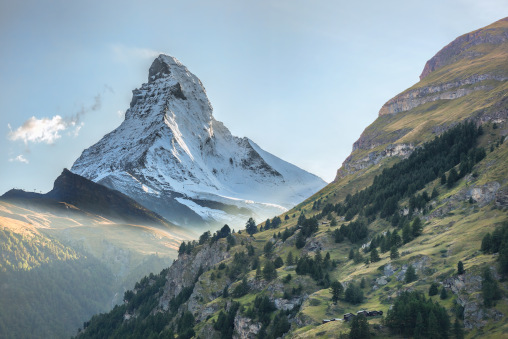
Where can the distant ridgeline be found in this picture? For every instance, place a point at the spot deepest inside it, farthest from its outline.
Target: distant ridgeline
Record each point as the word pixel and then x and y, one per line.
pixel 47 288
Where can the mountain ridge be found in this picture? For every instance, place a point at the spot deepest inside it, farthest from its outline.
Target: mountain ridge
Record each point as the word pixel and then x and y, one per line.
pixel 88 197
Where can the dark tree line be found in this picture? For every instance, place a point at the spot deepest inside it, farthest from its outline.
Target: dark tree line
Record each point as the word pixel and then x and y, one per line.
pixel 404 179
pixel 414 315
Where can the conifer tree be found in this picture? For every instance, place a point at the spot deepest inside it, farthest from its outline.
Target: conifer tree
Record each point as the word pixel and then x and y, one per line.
pixel 444 293
pixel 374 256
pixel 351 254
pixel 269 272
pixel 410 274
pixel 460 268
pixel 250 226
pixel 290 259
pixel 394 253
pixel 337 289
pixel 486 243
pixel 433 289
pixel 407 234
pixel 417 227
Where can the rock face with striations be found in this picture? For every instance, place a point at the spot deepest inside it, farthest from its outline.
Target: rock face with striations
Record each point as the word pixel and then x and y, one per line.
pixel 172 156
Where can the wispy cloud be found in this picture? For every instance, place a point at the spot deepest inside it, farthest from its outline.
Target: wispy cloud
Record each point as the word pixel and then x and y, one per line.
pixel 123 53
pixel 19 158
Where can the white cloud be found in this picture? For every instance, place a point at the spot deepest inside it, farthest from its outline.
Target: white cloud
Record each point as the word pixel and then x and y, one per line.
pixel 20 158
pixel 48 130
pixel 35 130
pixel 120 113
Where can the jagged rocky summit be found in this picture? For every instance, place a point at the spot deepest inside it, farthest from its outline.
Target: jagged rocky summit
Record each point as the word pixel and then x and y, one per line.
pixel 173 157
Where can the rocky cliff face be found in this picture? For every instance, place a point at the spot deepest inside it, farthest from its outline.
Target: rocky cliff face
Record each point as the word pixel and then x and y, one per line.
pixel 408 100
pixel 171 155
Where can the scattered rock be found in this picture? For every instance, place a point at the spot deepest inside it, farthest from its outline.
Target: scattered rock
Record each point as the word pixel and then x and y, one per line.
pixel 245 328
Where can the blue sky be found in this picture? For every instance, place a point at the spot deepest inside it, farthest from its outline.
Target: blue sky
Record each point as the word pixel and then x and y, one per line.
pixel 300 78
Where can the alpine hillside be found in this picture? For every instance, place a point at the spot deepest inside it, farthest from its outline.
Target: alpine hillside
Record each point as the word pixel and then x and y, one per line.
pixel 409 241
pixel 174 158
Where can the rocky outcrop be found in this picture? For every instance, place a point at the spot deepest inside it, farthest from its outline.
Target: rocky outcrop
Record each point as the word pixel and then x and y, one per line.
pixel 351 166
pixel 185 269
pixel 460 48
pixel 502 197
pixel 245 328
pixel 482 195
pixel 467 287
pixel 448 91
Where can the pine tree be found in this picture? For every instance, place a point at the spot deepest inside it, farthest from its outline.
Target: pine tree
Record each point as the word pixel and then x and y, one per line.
pixel 444 293
pixel 486 243
pixel 452 178
pixel 336 289
pixel 394 253
pixel 351 254
pixel 410 274
pixel 269 272
pixel 417 227
pixel 300 240
pixel 363 283
pixel 250 226
pixel 290 259
pixel 374 256
pixel 407 234
pixel 278 262
pixel 433 289
pixel 460 268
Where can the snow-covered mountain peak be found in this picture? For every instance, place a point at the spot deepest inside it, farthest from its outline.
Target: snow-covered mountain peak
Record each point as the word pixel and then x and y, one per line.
pixel 170 152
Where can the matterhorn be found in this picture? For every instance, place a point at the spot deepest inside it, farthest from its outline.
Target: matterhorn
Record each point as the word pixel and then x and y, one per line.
pixel 173 157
